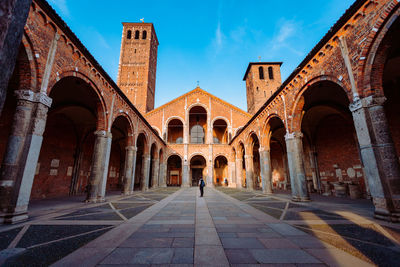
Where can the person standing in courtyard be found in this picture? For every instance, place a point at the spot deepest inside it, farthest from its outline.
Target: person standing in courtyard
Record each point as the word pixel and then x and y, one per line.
pixel 201 186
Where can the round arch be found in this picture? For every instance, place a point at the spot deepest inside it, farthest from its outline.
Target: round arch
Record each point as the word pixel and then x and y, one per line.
pixel 221 118
pixel 298 105
pixel 371 81
pixel 102 108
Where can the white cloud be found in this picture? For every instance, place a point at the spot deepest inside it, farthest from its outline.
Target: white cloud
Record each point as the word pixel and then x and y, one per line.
pixel 285 32
pixel 61 6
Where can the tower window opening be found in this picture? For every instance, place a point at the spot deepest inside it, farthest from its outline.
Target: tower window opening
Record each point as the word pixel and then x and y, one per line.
pixel 144 35
pixel 261 72
pixel 135 51
pixel 265 95
pixel 270 73
pixel 257 89
pixel 137 34
pixel 129 34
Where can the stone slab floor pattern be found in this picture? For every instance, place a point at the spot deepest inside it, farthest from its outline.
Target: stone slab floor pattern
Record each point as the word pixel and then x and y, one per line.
pixel 227 227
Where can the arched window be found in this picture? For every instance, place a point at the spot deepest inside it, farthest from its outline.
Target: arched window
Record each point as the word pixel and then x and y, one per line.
pixel 137 34
pixel 129 34
pixel 144 35
pixel 270 73
pixel 261 72
pixel 197 135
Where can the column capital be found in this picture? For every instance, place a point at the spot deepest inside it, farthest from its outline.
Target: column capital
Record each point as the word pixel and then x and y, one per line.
pixel 248 156
pixel 293 135
pixel 131 148
pixel 31 96
pixel 367 102
pixel 103 133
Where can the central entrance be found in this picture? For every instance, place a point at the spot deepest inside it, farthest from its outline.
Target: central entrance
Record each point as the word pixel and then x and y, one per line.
pixel 197 168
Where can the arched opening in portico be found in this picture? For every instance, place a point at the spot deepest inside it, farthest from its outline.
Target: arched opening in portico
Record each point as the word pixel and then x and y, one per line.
pixel 174 170
pixel 197 169
pixel 331 153
pixel 221 171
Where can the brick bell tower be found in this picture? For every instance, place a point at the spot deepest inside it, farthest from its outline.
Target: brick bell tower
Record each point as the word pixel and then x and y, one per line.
pixel 262 80
pixel 138 63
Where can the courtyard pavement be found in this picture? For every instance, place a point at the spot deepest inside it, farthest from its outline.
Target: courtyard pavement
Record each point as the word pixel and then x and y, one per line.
pixel 227 227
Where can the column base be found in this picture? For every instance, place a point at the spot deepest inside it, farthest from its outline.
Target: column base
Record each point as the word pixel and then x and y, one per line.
pixel 12 218
pixel 185 186
pixel 95 200
pixel 163 185
pixel 391 217
pixel 301 199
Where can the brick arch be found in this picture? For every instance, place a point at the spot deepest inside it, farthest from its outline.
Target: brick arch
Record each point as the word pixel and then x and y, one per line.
pixel 296 111
pixel 157 130
pixel 33 64
pixel 266 130
pixel 102 106
pixel 200 105
pixel 155 149
pixel 197 154
pixel 174 154
pixel 249 138
pixel 146 149
pixel 220 154
pixel 369 81
pixel 220 118
pixel 238 149
pixel 173 118
pixel 130 128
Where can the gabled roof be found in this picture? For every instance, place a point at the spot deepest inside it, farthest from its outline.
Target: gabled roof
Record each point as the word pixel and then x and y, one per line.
pixel 198 89
pixel 259 63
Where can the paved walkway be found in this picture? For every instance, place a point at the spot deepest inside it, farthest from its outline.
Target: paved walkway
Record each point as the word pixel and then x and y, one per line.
pixel 217 230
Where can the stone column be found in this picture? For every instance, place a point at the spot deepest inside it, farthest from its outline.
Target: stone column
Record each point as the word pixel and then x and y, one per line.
pixel 130 162
pixel 21 156
pixel 145 173
pixel 239 170
pixel 13 15
pixel 266 171
pixel 154 177
pixel 295 155
pixel 99 169
pixel 210 166
pixel 249 171
pixel 232 173
pixel 163 174
pixel 378 155
pixel 185 175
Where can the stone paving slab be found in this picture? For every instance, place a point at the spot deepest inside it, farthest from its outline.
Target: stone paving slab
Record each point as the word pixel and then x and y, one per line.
pixel 221 231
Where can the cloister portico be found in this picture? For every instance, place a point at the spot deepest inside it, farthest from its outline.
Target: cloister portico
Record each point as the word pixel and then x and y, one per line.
pixel 330 127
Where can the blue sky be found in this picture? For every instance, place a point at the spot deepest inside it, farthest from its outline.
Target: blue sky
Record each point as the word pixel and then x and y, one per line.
pixel 207 41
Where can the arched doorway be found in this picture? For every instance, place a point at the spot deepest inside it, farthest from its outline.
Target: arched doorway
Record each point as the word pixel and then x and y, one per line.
pixel 174 171
pixel 197 169
pixel 197 125
pixel 221 171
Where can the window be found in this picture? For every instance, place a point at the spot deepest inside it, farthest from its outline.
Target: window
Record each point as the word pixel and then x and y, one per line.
pixel 270 73
pixel 135 51
pixel 261 72
pixel 129 34
pixel 144 35
pixel 137 34
pixel 265 95
pixel 197 135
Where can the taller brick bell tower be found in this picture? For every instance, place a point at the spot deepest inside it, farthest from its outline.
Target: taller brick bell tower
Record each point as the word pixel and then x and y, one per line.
pixel 138 63
pixel 262 80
